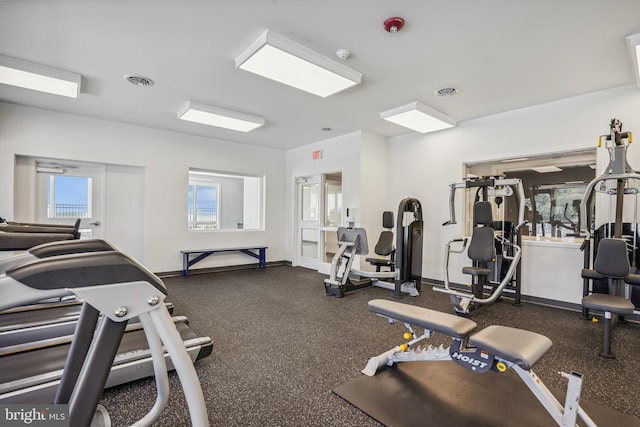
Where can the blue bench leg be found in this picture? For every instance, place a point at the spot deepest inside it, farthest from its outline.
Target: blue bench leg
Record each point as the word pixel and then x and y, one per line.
pixel 263 258
pixel 185 265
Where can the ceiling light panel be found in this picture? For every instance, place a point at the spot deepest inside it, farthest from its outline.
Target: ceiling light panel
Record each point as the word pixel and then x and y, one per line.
pixel 219 117
pixel 28 75
pixel 278 58
pixel 418 117
pixel 547 169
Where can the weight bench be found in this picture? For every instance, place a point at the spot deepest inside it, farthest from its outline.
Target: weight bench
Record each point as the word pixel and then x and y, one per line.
pixel 495 348
pixel 258 252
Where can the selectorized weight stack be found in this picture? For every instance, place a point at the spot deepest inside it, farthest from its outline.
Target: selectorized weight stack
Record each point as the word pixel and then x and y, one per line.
pixel 409 244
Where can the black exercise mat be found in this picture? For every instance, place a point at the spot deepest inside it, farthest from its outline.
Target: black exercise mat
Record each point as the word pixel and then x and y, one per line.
pixel 445 394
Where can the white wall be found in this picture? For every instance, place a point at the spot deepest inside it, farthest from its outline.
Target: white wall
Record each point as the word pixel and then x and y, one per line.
pixel 340 154
pixel 374 179
pixel 125 187
pixel 166 158
pixel 424 165
pixel 376 173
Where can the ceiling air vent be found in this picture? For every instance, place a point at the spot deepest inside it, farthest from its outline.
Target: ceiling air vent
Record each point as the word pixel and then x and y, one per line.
pixel 446 91
pixel 138 80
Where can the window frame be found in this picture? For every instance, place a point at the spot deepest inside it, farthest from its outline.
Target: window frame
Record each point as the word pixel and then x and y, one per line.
pixel 52 205
pixel 193 207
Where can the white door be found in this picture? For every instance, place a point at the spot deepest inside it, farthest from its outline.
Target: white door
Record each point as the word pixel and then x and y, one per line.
pixel 309 209
pixel 66 192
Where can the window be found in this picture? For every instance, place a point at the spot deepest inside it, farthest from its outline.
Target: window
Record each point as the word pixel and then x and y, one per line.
pixel 68 196
pixel 224 201
pixel 203 206
pixel 556 209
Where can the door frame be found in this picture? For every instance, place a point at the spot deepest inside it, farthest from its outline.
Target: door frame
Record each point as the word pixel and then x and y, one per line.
pixel 300 224
pixel 96 171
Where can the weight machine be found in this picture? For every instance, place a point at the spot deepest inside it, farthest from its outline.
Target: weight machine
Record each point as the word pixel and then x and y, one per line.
pixel 494 246
pixel 406 275
pixel 607 289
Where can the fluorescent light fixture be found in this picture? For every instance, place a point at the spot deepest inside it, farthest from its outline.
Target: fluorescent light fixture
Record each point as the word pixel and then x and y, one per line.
pixel 547 169
pixel 16 72
pixel 633 47
pixel 219 117
pixel 278 58
pixel 417 116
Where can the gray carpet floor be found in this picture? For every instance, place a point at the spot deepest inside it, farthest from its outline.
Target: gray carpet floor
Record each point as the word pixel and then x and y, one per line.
pixel 281 346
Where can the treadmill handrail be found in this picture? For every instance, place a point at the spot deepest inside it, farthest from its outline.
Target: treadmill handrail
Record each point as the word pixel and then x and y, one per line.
pixel 82 270
pixel 57 248
pixel 68 247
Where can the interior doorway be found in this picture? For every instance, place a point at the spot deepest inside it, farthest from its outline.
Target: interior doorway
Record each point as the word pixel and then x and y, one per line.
pixel 319 213
pixel 108 198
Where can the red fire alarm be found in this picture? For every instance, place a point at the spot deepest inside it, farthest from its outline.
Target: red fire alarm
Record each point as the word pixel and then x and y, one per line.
pixel 317 154
pixel 393 25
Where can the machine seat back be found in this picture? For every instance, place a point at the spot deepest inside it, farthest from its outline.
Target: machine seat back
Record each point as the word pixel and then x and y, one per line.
pixel 385 245
pixel 612 260
pixel 482 245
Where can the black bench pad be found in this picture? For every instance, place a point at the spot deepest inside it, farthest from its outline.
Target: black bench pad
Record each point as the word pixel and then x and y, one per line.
pixel 524 348
pixel 610 303
pixel 435 321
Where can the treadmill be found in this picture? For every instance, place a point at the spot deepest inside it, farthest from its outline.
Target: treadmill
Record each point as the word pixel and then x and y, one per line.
pixel 115 289
pixel 17 236
pixel 35 372
pixel 32 374
pixel 33 320
pixel 41 321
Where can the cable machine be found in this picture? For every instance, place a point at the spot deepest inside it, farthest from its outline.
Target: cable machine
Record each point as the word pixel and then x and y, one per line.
pixel 494 246
pixel 621 183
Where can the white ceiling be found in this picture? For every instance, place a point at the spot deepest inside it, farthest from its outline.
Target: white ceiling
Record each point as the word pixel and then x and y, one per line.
pixel 500 54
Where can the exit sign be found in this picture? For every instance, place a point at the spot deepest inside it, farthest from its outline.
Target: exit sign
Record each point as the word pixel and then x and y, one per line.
pixel 317 154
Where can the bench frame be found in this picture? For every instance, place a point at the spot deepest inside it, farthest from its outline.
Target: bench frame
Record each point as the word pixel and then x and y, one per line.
pixel 258 252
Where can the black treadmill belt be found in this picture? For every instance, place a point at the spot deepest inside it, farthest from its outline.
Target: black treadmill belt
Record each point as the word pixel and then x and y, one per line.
pixel 46 314
pixel 44 322
pixel 442 394
pixel 27 364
